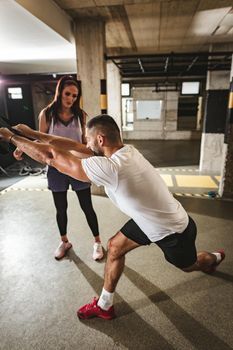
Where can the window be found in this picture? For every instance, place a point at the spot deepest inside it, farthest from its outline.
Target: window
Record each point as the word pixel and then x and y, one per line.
pixel 190 88
pixel 125 89
pixel 15 93
pixel 149 109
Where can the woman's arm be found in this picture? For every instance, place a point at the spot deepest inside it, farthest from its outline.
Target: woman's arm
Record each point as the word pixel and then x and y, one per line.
pixel 43 125
pixel 84 140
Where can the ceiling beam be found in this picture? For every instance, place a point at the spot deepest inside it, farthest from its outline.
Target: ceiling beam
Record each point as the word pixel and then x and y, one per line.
pixel 52 15
pixel 177 54
pixel 119 12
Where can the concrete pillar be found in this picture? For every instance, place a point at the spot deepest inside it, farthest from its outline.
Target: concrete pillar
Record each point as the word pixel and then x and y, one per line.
pixel 226 182
pixel 214 121
pixel 171 113
pixel 91 66
pixel 199 112
pixel 114 93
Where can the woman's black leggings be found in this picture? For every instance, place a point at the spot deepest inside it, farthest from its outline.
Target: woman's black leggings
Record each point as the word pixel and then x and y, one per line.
pixel 61 204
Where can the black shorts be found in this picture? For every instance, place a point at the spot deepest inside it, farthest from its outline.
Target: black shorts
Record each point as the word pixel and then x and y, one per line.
pixel 179 248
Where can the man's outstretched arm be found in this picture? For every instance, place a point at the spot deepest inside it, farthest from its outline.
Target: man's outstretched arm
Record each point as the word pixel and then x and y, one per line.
pixel 64 161
pixel 61 142
pixel 68 164
pixel 58 141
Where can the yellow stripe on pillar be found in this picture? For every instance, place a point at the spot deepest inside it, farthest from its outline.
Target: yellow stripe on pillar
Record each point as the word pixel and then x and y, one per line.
pixel 103 102
pixel 103 96
pixel 81 102
pixel 230 103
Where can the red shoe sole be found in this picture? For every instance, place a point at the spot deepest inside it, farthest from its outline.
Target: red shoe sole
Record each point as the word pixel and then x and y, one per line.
pixel 83 317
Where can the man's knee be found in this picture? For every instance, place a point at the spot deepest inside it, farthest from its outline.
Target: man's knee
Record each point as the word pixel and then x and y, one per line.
pixel 114 250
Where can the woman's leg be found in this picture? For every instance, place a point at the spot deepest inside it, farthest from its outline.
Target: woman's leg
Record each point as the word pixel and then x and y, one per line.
pixel 60 201
pixel 84 197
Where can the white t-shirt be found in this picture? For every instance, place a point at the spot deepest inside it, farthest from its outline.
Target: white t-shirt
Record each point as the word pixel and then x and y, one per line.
pixel 137 189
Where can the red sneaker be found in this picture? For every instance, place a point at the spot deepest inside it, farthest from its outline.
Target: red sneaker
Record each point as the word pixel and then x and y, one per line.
pixel 93 310
pixel 214 266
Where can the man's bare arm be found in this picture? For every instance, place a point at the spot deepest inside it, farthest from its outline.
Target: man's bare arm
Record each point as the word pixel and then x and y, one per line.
pixel 64 161
pixel 61 142
pixel 68 164
pixel 38 151
pixel 26 131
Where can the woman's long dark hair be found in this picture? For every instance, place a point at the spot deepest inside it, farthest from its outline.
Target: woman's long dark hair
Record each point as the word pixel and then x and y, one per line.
pixel 52 110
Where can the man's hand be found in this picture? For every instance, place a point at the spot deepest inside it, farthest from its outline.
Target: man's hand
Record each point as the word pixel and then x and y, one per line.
pixel 5 134
pixel 23 129
pixel 18 154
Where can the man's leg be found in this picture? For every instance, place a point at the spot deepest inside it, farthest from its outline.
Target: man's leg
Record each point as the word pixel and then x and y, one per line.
pixel 180 250
pixel 118 246
pixel 206 262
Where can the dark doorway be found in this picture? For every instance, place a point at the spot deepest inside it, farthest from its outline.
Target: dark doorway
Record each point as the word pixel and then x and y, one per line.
pixel 187 113
pixel 19 105
pixel 216 111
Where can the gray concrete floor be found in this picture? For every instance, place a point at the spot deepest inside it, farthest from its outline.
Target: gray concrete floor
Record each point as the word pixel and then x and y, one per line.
pixel 158 306
pixel 164 153
pixel 11 174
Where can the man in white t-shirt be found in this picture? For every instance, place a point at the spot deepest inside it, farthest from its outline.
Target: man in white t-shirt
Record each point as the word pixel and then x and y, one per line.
pixel 135 187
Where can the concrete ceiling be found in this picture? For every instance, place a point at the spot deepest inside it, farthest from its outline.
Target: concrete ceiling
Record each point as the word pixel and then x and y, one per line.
pixel 132 27
pixel 153 26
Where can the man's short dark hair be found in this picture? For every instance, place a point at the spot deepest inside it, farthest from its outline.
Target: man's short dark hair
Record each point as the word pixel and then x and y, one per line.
pixel 107 126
